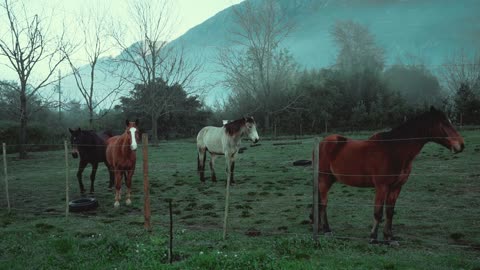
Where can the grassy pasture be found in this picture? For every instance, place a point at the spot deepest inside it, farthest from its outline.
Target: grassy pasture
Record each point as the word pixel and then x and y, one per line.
pixel 437 218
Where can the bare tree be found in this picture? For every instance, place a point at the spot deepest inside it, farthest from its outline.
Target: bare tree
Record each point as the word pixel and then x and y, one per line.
pixel 255 66
pixel 358 50
pixel 151 57
pixel 95 32
pixel 461 76
pixel 27 45
pixel 461 68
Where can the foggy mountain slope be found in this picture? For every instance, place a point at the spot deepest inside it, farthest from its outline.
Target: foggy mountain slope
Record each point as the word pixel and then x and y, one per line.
pixel 429 29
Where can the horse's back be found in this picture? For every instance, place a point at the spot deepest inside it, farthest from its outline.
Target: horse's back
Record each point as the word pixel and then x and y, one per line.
pixel 211 138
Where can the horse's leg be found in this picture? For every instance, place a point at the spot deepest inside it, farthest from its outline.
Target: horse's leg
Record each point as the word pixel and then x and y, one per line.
pixel 389 207
pixel 325 182
pixel 81 167
pixel 111 175
pixel 118 185
pixel 212 167
pixel 92 176
pixel 202 153
pixel 128 181
pixel 380 194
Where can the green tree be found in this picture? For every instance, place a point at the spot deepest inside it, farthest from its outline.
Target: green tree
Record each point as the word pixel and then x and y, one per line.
pixel 162 104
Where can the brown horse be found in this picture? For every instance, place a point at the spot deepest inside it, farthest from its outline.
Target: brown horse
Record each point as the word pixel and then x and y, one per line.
pixel 384 162
pixel 121 157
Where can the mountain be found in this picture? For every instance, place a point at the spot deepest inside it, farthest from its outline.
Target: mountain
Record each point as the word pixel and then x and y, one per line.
pixel 429 29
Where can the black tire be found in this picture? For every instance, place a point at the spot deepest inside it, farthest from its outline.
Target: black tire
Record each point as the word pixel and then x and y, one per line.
pixel 302 162
pixel 83 204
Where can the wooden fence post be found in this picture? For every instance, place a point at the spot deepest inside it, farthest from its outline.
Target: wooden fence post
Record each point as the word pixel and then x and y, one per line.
pixel 316 145
pixel 170 241
pixel 66 179
pixel 227 198
pixel 6 175
pixel 146 191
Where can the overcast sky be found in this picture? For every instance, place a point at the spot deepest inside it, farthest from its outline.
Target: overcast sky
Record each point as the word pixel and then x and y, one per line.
pixel 189 13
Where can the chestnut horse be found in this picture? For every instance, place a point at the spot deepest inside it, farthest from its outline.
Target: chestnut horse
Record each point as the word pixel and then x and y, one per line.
pixel 384 162
pixel 91 149
pixel 121 157
pixel 223 141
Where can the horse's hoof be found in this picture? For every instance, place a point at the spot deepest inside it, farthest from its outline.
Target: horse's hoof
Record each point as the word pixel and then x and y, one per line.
pixel 373 241
pixel 128 202
pixel 116 204
pixel 328 234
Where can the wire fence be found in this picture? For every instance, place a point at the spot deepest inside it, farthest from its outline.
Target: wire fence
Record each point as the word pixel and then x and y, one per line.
pixel 268 207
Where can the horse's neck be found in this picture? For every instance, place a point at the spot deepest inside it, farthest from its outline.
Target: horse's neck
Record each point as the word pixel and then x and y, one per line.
pixel 408 149
pixel 238 137
pixel 408 139
pixel 123 144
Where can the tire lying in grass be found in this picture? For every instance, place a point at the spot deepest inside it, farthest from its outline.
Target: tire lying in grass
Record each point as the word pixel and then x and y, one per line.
pixel 82 204
pixel 302 162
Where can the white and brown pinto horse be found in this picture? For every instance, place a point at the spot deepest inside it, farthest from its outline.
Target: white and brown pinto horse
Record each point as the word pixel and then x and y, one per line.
pixel 121 157
pixel 223 141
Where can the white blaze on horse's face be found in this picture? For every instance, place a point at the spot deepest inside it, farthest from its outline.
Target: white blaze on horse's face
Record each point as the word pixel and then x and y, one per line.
pixel 133 145
pixel 252 132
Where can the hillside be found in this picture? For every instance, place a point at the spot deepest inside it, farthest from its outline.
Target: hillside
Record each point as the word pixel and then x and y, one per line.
pixel 428 29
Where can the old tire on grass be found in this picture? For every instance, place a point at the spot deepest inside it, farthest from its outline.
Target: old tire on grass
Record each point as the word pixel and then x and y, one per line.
pixel 82 204
pixel 302 162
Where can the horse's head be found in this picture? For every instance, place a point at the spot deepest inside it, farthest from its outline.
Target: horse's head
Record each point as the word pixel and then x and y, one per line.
pixel 132 133
pixel 444 133
pixel 75 140
pixel 251 129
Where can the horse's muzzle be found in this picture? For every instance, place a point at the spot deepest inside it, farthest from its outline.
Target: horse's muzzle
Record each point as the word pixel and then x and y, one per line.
pixel 75 154
pixel 255 140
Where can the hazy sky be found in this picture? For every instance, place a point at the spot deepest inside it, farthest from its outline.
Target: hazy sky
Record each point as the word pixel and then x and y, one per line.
pixel 188 13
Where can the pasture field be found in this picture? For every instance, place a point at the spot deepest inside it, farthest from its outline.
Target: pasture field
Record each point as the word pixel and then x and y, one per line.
pixel 437 218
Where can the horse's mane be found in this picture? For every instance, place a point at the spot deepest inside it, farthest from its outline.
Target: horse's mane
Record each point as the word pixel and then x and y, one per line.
pixel 417 127
pixel 93 138
pixel 235 126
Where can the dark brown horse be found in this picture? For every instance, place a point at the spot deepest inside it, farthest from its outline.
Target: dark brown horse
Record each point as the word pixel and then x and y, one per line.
pixel 122 157
pixel 384 162
pixel 91 149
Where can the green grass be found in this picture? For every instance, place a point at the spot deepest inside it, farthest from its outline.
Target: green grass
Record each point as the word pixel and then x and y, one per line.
pixel 437 218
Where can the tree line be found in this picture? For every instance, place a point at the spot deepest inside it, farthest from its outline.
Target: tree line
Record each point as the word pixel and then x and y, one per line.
pixel 358 91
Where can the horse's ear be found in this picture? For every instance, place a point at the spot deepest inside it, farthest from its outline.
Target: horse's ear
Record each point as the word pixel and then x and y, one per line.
pixel 432 109
pixel 78 129
pixel 71 131
pixel 137 122
pixel 127 122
